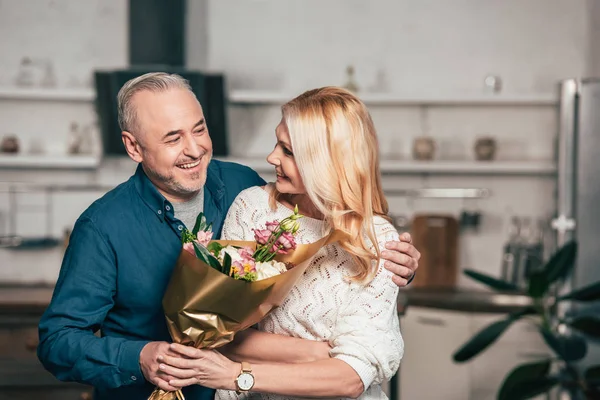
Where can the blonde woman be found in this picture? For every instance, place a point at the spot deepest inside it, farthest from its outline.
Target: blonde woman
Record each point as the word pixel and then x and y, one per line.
pixel 326 160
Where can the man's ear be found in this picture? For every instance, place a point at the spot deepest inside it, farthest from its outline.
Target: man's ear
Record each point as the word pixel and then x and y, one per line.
pixel 132 146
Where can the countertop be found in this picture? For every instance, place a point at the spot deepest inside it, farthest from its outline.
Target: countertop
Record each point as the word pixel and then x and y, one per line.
pixel 33 299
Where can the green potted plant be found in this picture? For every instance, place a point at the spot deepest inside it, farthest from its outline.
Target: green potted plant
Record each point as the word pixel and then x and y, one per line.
pixel 569 345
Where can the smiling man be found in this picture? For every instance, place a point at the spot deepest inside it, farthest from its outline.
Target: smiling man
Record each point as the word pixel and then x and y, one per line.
pixel 124 246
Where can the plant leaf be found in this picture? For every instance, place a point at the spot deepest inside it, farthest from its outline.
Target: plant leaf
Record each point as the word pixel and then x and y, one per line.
pixel 531 388
pixel 200 224
pixel 587 324
pixel 538 285
pixel 569 348
pixel 561 262
pixel 592 375
pixel 227 264
pixel 203 254
pixel 492 282
pixel 588 293
pixel 215 248
pixel 485 337
pixel 523 374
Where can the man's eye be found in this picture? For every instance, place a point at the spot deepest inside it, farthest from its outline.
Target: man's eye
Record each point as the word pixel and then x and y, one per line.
pixel 174 140
pixel 200 131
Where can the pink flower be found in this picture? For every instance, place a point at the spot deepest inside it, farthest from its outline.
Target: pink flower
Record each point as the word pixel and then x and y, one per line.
pixel 241 268
pixel 189 247
pixel 261 235
pixel 286 241
pixel 246 252
pixel 204 237
pixel 272 226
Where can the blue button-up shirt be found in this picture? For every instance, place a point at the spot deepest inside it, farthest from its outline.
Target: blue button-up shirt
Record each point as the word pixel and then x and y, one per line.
pixel 112 280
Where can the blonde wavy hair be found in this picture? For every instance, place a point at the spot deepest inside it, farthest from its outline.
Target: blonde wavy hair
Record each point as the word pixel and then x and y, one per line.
pixel 336 150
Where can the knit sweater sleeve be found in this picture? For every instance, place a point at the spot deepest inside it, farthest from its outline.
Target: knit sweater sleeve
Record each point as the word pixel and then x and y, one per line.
pixel 367 333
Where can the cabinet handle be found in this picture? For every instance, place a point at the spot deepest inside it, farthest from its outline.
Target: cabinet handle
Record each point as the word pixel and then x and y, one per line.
pixel 431 321
pixel 31 344
pixel 85 396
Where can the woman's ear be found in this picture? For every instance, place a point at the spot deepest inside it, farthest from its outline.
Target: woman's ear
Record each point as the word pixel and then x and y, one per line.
pixel 132 146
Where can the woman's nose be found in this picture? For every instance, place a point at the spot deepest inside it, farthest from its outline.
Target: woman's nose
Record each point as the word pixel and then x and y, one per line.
pixel 273 159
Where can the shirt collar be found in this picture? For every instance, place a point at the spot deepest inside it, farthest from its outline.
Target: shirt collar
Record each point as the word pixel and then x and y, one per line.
pixel 150 194
pixel 214 183
pixel 157 202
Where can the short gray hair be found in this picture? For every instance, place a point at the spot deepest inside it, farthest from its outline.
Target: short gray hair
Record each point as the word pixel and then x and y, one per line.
pixel 154 82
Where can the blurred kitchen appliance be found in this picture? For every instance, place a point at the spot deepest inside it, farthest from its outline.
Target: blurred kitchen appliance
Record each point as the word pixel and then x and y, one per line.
pixel 523 252
pixel 436 237
pixel 578 188
pixel 210 90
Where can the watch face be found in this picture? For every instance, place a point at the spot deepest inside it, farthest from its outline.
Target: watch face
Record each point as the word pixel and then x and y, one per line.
pixel 245 381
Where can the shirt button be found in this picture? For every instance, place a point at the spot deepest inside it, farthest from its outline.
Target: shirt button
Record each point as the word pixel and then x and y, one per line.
pixel 180 227
pixel 133 378
pixel 159 212
pixel 168 208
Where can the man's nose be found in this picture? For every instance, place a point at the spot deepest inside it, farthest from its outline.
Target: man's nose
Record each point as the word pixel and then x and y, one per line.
pixel 192 149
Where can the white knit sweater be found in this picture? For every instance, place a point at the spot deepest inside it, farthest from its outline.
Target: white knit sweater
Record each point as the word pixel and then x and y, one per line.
pixel 359 321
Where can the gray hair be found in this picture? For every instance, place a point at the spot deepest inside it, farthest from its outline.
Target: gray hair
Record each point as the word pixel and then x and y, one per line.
pixel 154 82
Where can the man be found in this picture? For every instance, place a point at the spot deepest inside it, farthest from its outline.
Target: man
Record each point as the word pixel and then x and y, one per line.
pixel 123 247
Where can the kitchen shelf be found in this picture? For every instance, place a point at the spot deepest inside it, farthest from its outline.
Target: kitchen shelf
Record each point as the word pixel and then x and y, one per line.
pixel 42 161
pixel 47 94
pixel 390 167
pixel 257 97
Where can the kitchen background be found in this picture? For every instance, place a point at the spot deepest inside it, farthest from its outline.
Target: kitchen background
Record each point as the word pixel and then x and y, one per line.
pixel 446 73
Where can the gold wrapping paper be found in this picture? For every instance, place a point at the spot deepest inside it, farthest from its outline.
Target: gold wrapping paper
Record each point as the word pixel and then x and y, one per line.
pixel 205 308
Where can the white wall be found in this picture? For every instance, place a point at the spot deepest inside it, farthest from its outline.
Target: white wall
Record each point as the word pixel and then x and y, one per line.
pixel 445 46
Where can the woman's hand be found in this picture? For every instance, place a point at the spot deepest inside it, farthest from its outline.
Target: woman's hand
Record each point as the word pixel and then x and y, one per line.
pixel 402 259
pixel 208 368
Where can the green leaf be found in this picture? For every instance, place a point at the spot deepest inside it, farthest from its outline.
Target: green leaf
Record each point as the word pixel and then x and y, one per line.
pixel 215 248
pixel 569 348
pixel 203 254
pixel 561 262
pixel 521 375
pixel 492 282
pixel 538 285
pixel 592 375
pixel 200 224
pixel 587 324
pixel 559 265
pixel 485 337
pixel 588 293
pixel 227 264
pixel 531 388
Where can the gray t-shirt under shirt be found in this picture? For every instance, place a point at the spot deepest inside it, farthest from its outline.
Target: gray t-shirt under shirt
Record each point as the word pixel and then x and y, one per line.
pixel 188 211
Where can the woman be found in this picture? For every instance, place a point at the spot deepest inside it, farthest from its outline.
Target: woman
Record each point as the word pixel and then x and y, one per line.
pixel 326 160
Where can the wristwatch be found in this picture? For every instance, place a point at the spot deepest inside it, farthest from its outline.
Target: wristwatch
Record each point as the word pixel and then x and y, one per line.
pixel 245 380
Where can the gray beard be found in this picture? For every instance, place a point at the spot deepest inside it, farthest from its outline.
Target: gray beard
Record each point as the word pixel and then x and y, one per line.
pixel 174 186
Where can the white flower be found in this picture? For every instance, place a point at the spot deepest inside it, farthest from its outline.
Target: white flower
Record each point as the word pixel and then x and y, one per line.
pixel 233 253
pixel 268 269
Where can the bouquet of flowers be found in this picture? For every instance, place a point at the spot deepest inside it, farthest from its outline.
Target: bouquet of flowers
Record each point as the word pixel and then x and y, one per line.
pixel 221 287
pixel 244 263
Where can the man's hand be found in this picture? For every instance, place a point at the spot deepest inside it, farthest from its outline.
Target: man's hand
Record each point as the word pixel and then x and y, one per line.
pixel 150 358
pixel 402 259
pixel 192 366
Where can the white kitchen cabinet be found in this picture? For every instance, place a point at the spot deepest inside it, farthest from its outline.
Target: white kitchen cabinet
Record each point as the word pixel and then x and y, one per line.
pixel 432 336
pixel 427 371
pixel 521 343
